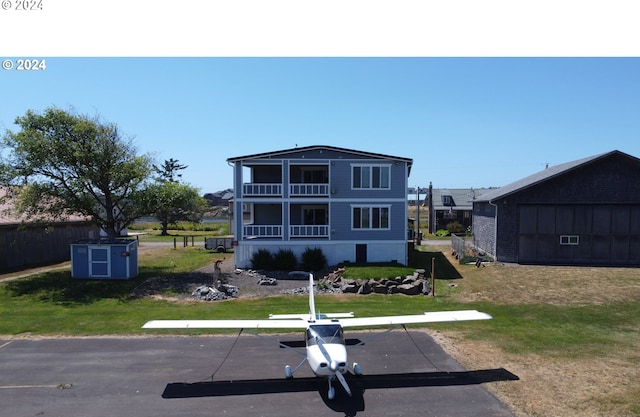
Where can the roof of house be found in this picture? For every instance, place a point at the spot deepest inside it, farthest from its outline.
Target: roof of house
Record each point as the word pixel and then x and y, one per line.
pixel 461 198
pixel 545 175
pixel 283 152
pixel 9 216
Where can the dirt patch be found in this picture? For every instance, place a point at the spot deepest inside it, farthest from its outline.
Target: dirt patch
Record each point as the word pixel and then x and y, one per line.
pixel 539 284
pixel 179 287
pixel 548 386
pixel 551 386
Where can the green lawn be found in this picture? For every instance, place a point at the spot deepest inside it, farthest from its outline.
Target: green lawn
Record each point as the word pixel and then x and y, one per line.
pixel 151 232
pixel 54 303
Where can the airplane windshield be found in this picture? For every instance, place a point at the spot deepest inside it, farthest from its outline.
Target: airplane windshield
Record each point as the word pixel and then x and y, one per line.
pixel 329 333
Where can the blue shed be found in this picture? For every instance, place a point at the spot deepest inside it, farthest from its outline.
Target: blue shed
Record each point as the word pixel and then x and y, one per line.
pixel 104 258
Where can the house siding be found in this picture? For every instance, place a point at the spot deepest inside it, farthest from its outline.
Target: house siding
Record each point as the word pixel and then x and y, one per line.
pixel 484 224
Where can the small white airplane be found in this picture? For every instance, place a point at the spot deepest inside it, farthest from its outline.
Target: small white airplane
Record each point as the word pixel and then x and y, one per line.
pixel 326 351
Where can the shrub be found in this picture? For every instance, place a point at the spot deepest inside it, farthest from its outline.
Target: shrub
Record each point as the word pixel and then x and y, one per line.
pixel 455 227
pixel 262 259
pixel 313 259
pixel 442 233
pixel 285 260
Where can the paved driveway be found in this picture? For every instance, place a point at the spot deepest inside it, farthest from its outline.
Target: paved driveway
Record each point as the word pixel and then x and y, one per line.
pixel 406 374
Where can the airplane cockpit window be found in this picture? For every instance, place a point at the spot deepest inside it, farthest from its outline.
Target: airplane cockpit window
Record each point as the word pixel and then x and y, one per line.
pixel 329 333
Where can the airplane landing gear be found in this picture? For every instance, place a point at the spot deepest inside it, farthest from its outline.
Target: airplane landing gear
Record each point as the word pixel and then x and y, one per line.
pixel 332 391
pixel 357 369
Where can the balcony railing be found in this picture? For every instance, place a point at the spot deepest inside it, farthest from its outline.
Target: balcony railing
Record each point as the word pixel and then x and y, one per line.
pixel 275 189
pixel 261 189
pixel 300 230
pixel 308 189
pixel 262 230
pixel 252 231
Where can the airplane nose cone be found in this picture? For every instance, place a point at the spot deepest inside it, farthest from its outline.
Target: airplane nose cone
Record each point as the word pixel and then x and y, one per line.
pixel 334 366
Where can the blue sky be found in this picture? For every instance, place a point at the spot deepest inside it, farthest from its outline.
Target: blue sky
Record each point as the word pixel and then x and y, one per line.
pixel 466 122
pixel 179 80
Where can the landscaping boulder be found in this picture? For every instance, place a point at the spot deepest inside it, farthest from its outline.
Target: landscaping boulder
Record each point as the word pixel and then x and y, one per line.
pixel 409 289
pixel 350 286
pixel 365 289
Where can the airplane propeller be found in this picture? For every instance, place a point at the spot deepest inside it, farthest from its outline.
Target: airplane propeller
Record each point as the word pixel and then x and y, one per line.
pixel 334 366
pixel 344 383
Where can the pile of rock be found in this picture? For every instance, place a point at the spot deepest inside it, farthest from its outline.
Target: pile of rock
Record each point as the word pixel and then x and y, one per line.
pixel 222 292
pixel 334 282
pixel 267 281
pixel 415 284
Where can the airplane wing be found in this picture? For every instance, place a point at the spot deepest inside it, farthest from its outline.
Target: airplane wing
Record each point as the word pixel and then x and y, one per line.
pixel 226 324
pixel 430 317
pixel 301 323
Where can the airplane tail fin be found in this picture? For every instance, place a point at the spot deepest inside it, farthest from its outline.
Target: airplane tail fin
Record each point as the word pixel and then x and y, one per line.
pixel 312 303
pixel 313 315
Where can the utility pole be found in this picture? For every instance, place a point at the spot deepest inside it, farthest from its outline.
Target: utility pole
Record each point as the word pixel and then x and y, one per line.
pixel 417 226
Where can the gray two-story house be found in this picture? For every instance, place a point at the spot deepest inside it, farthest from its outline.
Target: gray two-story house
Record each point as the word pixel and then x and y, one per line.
pixel 351 204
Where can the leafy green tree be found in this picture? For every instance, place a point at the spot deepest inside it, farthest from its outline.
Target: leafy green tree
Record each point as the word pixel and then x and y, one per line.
pixel 62 163
pixel 170 202
pixel 169 170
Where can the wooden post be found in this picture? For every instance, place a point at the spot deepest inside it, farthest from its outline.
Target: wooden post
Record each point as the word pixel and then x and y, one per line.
pixel 433 277
pixel 174 243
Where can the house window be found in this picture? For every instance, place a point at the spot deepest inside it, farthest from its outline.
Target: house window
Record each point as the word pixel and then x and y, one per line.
pixel 370 176
pixel 370 217
pixel 314 215
pixel 569 240
pixel 314 176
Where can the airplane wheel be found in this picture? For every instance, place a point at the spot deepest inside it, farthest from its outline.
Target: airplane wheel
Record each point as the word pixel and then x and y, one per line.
pixel 332 393
pixel 357 369
pixel 287 372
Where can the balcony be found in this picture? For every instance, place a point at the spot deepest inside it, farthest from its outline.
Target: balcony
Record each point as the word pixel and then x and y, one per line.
pixel 261 189
pixel 300 230
pixel 311 190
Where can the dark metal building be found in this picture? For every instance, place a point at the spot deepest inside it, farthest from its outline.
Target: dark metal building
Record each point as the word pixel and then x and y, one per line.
pixel 585 212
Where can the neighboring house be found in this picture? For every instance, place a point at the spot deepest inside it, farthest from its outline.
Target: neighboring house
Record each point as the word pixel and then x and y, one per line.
pixel 451 205
pixel 351 204
pixel 25 244
pixel 585 212
pixel 219 198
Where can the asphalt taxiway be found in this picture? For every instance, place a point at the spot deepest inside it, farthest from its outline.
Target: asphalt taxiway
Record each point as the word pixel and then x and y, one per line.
pixel 405 374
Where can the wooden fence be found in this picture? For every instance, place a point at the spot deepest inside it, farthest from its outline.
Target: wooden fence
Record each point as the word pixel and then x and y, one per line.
pixel 23 246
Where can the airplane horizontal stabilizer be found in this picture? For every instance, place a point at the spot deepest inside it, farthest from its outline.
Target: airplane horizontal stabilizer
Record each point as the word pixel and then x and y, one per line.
pixel 319 316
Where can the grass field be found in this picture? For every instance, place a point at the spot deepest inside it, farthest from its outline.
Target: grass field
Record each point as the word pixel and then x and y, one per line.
pixel 151 232
pixel 570 334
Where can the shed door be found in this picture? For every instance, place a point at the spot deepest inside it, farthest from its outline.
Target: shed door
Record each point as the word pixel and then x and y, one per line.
pixel 579 234
pixel 99 261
